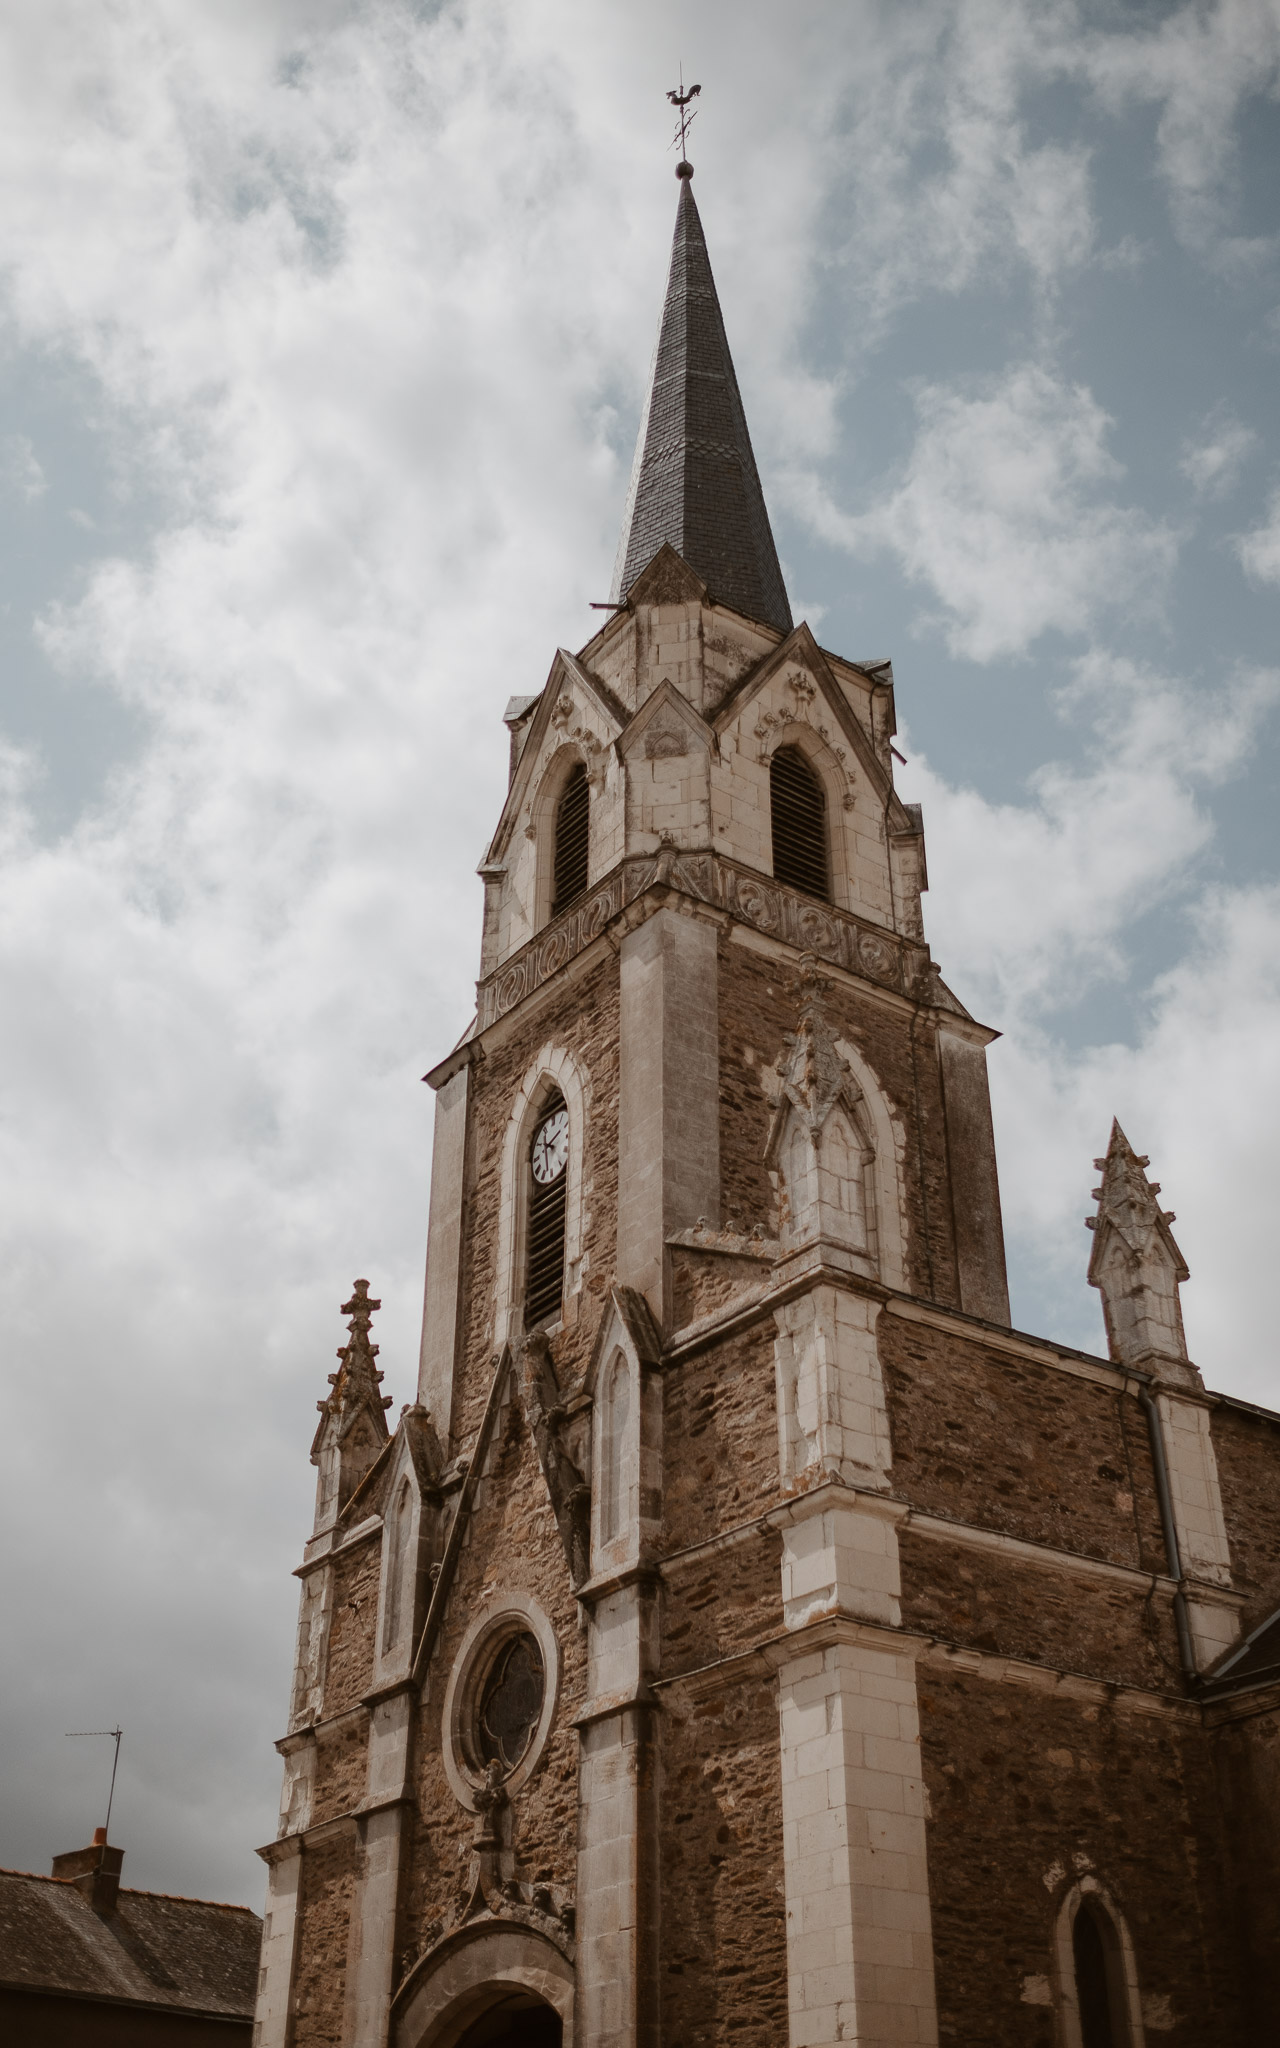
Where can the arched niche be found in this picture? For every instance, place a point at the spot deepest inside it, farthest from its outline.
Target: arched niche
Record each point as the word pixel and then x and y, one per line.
pixel 472 1975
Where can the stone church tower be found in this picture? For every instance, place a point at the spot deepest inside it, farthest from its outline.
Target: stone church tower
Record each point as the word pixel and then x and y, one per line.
pixel 747 1636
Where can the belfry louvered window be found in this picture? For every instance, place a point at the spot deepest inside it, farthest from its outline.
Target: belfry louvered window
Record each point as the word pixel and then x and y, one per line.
pixel 798 818
pixel 573 819
pixel 548 1210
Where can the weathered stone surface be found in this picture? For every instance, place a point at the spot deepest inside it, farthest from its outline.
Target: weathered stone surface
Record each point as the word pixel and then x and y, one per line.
pixel 723 1970
pixel 1025 1795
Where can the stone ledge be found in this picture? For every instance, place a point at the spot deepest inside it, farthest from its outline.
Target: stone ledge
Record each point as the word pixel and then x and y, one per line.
pixel 765 1659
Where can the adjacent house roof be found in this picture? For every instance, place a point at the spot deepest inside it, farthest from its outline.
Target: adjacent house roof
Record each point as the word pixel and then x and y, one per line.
pixel 185 1954
pixel 695 483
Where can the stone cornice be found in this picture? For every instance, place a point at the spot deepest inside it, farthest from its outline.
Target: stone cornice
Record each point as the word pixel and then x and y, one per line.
pixel 771 1656
pixel 837 937
pixel 933 1528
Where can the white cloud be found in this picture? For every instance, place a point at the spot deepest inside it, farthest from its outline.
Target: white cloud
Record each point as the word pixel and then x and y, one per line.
pixel 1259 550
pixel 1212 459
pixel 20 468
pixel 1003 512
pixel 1201 64
pixel 1033 902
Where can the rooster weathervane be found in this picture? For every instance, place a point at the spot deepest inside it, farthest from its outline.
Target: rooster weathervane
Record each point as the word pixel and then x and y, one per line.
pixel 681 100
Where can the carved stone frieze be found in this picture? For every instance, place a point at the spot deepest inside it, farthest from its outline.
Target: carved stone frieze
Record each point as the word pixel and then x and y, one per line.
pixel 831 935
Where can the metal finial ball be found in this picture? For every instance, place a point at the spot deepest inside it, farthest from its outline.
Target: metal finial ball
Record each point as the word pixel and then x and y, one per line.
pixel 684 170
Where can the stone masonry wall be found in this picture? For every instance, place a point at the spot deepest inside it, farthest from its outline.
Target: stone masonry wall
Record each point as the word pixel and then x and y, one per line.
pixel 723 1972
pixel 757 1005
pixel 721 1603
pixel 1027 1793
pixel 1013 1609
pixel 1247 1448
pixel 1016 1446
pixel 349 1664
pixel 720 1438
pixel 328 1881
pixel 1246 1754
pixel 586 1023
pixel 513 1545
pixel 342 1762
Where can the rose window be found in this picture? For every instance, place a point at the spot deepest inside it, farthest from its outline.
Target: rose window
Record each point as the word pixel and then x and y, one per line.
pixel 510 1704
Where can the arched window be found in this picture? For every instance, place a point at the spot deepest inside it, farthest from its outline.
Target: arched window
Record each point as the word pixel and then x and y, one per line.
pixel 573 819
pixel 398 1563
pixel 1100 1990
pixel 547 1197
pixel 798 820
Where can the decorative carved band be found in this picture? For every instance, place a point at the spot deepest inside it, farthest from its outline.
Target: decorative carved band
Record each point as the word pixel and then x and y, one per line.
pixel 754 899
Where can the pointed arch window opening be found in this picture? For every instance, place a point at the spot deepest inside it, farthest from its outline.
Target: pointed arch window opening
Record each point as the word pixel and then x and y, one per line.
pixel 1100 1991
pixel 548 1187
pixel 572 841
pixel 798 824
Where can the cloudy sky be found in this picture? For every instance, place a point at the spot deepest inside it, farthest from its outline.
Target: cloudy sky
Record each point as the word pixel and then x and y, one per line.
pixel 324 334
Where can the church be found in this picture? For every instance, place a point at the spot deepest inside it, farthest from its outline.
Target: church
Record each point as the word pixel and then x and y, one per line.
pixel 747 1636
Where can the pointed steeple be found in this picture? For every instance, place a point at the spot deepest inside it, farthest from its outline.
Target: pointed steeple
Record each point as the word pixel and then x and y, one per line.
pixel 1136 1264
pixel 695 483
pixel 353 1424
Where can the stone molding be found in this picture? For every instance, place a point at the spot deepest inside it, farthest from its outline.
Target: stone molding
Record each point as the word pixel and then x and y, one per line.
pixel 939 1529
pixel 764 1660
pixel 835 936
pixel 451 1985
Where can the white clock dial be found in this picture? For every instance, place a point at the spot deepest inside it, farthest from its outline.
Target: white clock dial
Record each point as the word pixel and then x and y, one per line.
pixel 551 1147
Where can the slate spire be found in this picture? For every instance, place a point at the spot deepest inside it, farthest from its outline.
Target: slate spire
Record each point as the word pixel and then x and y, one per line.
pixel 694 483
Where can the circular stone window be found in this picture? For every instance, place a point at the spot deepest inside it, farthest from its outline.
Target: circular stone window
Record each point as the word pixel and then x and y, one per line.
pixel 509 1703
pixel 500 1701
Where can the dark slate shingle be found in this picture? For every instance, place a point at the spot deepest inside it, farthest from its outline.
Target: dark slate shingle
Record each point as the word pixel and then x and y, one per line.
pixel 695 482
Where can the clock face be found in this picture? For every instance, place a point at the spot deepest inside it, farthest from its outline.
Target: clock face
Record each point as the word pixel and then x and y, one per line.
pixel 551 1147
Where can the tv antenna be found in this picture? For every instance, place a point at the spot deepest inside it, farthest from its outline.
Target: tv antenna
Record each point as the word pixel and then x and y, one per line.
pixel 79 1735
pixel 680 100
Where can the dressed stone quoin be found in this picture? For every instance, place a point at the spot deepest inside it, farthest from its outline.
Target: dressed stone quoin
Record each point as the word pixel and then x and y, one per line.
pixel 746 1636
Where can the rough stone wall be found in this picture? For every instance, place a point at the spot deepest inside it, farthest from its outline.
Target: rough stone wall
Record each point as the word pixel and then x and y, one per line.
pixel 1246 1756
pixel 349 1666
pixel 757 1006
pixel 716 1605
pixel 341 1770
pixel 1043 1455
pixel 586 1022
pixel 328 1881
pixel 703 1282
pixel 1247 1448
pixel 720 1438
pixel 1028 1793
pixel 1013 1609
pixel 513 1545
pixel 723 1971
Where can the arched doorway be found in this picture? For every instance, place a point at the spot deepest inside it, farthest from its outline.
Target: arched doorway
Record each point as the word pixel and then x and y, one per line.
pixel 517 2021
pixel 489 1984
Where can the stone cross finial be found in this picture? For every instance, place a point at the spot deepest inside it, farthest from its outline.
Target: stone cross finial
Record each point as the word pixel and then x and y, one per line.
pixel 361 1311
pixel 1137 1267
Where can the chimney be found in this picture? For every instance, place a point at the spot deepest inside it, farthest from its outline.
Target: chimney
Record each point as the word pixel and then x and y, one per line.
pixel 95 1871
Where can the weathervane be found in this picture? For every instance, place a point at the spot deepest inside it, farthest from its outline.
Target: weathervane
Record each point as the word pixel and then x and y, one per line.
pixel 681 99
